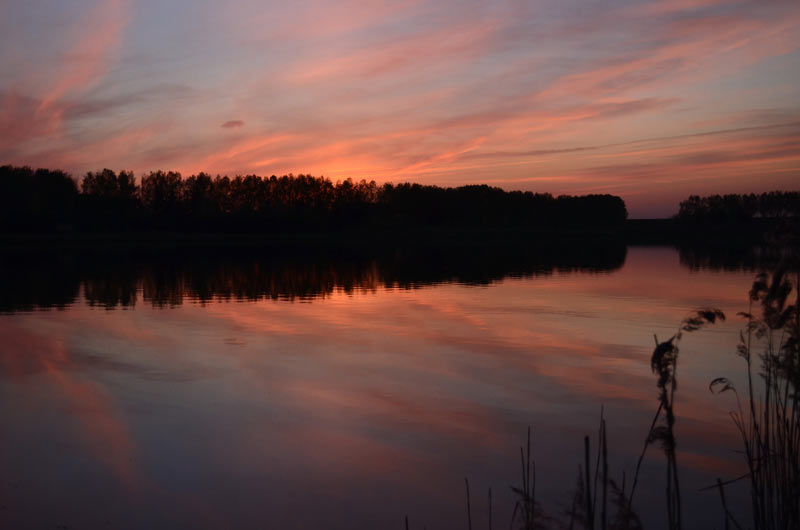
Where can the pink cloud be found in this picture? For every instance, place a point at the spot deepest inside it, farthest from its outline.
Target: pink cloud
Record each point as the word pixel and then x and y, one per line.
pixel 516 96
pixel 107 437
pixel 416 51
pixel 88 58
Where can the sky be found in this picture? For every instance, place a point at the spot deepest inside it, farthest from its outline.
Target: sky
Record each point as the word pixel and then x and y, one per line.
pixel 652 101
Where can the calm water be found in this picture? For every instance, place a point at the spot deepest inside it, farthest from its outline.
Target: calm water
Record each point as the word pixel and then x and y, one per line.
pixel 348 394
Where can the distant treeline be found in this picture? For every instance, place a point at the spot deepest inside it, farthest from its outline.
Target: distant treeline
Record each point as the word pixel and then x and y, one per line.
pixel 51 200
pixel 734 207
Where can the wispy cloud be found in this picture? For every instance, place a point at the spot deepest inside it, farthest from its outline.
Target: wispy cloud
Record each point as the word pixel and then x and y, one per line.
pixel 536 97
pixel 88 58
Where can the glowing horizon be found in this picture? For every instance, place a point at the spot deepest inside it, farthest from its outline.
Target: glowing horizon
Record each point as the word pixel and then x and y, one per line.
pixel 652 101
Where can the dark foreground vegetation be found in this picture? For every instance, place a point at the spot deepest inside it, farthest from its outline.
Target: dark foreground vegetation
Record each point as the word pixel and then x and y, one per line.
pixel 51 201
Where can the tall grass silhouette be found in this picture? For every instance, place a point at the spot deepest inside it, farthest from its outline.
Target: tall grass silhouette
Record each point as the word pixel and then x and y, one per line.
pixel 664 363
pixel 767 418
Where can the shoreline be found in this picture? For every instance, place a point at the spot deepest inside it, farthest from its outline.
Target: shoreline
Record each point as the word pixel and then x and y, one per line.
pixel 634 232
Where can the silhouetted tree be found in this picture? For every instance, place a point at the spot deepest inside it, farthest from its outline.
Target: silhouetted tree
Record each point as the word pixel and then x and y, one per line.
pixel 160 195
pixel 41 200
pixel 44 200
pixel 109 200
pixel 740 208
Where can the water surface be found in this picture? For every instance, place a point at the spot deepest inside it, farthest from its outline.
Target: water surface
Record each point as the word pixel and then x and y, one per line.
pixel 348 394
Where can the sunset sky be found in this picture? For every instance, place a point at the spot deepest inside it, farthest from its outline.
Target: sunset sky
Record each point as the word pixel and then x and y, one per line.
pixel 652 101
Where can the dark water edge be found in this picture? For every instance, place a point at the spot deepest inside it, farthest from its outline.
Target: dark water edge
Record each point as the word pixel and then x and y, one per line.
pixel 49 272
pixel 163 269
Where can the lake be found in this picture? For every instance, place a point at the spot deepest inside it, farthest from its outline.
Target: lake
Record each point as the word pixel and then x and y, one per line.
pixel 352 392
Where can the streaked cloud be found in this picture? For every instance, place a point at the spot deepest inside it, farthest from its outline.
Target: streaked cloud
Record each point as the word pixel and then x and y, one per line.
pixel 546 96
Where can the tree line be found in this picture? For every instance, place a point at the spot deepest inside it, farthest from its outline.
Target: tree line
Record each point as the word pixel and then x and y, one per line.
pixel 744 207
pixel 52 200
